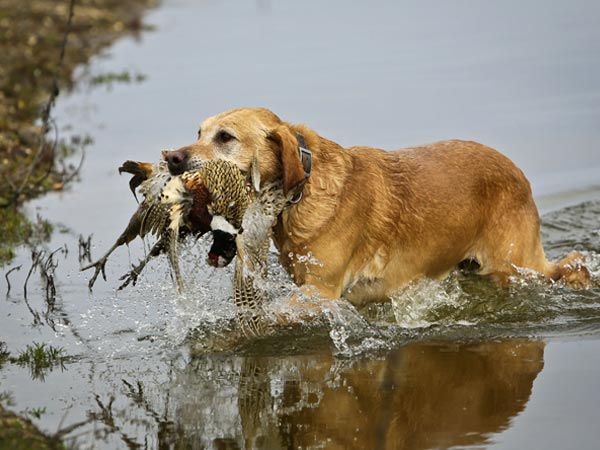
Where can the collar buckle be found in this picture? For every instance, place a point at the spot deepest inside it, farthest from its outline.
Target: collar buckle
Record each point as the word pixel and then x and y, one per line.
pixel 306 159
pixel 305 155
pixel 295 199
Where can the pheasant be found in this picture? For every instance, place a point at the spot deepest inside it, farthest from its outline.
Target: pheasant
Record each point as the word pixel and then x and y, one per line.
pixel 212 197
pixel 186 196
pixel 154 212
pixel 246 219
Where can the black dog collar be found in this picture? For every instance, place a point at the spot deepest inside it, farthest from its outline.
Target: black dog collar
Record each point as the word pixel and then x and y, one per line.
pixel 306 160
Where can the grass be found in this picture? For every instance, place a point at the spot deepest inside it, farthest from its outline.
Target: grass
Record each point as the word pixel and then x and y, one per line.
pixel 110 78
pixel 17 432
pixel 35 412
pixel 41 358
pixel 41 355
pixel 6 398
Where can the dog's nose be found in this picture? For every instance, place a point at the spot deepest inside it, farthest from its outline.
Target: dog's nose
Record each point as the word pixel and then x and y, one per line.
pixel 177 161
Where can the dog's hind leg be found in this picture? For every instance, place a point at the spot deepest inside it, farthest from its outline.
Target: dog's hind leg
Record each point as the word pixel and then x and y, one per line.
pixel 515 249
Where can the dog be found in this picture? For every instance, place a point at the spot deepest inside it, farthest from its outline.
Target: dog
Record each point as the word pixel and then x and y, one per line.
pixel 362 223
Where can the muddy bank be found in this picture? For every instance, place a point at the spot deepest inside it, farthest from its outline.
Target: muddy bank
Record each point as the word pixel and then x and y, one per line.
pixel 31 38
pixel 18 433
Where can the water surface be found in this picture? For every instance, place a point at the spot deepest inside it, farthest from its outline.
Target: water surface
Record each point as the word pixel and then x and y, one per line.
pixel 452 364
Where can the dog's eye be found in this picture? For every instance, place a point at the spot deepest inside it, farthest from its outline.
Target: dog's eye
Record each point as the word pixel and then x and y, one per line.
pixel 223 137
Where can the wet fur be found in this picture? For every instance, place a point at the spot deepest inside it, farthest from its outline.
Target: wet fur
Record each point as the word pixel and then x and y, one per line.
pixel 376 220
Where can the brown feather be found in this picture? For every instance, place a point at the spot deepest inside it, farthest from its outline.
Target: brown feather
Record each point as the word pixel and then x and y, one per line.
pixel 199 217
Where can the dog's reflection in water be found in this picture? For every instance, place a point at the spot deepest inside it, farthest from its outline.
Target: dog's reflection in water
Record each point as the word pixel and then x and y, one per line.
pixel 423 395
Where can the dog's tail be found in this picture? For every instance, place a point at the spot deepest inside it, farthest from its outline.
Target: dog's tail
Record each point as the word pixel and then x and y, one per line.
pixel 571 270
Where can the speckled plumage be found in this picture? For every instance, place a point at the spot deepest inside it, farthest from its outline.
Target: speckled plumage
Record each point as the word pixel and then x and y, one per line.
pixel 227 185
pixel 252 249
pixel 172 205
pixel 228 199
pixel 251 217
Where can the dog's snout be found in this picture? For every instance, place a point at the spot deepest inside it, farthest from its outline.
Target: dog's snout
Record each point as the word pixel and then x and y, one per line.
pixel 177 161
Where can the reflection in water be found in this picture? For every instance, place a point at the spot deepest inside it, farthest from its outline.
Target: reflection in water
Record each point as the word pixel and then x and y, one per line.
pixel 422 395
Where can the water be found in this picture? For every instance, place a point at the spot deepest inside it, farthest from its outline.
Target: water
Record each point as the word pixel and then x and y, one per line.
pixel 451 364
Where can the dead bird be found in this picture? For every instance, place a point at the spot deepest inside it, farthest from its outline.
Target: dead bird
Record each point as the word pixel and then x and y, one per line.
pixel 228 199
pixel 238 214
pixel 214 196
pixel 202 187
pixel 150 215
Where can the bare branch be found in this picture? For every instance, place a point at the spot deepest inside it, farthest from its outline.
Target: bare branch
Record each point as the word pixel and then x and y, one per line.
pixel 6 277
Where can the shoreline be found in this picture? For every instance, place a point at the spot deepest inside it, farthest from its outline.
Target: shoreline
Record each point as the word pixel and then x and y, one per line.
pixel 31 34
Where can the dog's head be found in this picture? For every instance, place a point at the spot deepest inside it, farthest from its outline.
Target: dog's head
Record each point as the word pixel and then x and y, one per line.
pixel 248 137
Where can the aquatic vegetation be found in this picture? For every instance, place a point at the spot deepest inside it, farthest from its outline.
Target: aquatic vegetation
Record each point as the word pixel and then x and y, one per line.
pixel 6 399
pixel 108 79
pixel 16 431
pixel 18 230
pixel 41 355
pixel 36 413
pixel 4 353
pixel 41 358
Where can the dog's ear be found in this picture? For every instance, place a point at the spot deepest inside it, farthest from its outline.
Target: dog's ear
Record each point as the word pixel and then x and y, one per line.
pixel 291 166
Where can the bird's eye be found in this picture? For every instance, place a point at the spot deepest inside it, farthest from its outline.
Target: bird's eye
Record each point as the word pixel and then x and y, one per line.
pixel 223 137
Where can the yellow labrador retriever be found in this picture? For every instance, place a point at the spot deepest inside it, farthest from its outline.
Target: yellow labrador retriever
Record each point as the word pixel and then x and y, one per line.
pixel 365 222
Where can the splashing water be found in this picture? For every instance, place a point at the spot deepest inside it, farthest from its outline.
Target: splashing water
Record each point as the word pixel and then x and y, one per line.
pixel 204 316
pixel 416 305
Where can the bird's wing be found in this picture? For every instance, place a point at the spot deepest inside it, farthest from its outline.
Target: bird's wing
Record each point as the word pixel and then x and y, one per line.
pixel 151 216
pixel 155 212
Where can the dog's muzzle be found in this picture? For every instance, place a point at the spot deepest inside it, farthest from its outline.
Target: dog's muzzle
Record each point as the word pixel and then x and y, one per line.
pixel 177 161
